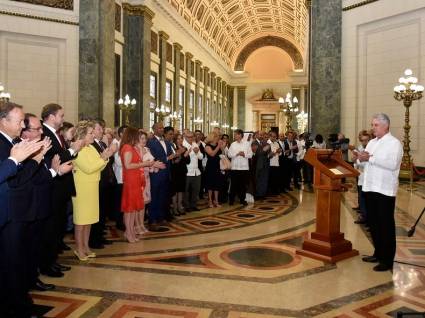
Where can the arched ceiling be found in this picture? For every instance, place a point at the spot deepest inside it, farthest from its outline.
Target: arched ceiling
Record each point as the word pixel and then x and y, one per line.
pixel 227 26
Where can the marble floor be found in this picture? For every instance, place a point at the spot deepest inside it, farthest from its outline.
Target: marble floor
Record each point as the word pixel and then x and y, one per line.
pixel 241 262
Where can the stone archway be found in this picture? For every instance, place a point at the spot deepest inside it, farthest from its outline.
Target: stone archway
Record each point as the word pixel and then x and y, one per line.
pixel 276 41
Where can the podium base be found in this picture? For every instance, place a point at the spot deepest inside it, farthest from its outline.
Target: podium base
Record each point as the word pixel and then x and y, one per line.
pixel 329 252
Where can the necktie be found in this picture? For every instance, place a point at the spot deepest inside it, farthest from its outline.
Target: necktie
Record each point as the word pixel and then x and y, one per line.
pixel 102 145
pixel 59 138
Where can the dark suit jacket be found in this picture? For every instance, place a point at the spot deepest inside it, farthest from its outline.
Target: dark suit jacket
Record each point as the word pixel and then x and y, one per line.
pixel 19 187
pixel 7 169
pixel 107 176
pixel 63 186
pixel 42 183
pixel 159 154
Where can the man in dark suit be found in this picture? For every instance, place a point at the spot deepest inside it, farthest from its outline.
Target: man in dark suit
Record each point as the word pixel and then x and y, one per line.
pixel 107 185
pixel 42 183
pixel 160 181
pixel 14 238
pixel 63 188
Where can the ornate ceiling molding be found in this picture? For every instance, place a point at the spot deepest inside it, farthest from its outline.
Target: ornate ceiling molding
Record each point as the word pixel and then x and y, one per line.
pixel 225 25
pixel 59 4
pixel 279 42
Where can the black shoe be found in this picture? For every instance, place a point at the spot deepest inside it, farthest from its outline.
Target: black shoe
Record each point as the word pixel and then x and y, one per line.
pixel 188 210
pixel 244 203
pixel 370 259
pixel 61 268
pixel 382 268
pixel 40 286
pixel 289 189
pixel 64 247
pixel 360 221
pixel 96 246
pixel 106 242
pixel 120 226
pixel 231 202
pixel 51 272
pixel 195 209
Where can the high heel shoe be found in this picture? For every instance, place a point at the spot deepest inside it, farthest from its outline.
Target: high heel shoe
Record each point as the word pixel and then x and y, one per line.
pixel 216 204
pixel 210 205
pixel 91 255
pixel 83 259
pixel 130 240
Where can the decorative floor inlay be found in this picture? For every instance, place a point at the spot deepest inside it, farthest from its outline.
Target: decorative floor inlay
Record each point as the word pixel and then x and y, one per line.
pixel 241 262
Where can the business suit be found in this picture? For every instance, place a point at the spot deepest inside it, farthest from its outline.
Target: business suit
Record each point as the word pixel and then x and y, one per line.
pixel 107 185
pixel 160 182
pixel 63 189
pixel 42 184
pixel 7 169
pixel 14 236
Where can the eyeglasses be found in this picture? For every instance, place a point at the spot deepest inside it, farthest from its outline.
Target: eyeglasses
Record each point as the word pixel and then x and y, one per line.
pixel 35 129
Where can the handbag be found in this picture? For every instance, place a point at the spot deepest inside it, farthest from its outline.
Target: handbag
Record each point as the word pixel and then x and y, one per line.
pixel 225 163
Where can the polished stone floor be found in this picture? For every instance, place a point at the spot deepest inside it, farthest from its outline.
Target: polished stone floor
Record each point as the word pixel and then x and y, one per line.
pixel 241 262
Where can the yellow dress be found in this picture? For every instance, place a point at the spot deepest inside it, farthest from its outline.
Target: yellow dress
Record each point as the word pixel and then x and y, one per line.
pixel 87 168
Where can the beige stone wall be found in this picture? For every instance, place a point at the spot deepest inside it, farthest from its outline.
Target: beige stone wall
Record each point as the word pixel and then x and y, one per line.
pixel 39 59
pixel 379 41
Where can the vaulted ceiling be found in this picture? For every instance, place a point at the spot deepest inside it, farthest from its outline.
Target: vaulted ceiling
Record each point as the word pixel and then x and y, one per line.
pixel 227 26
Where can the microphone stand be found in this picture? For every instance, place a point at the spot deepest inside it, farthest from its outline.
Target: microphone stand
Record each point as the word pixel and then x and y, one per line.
pixel 413 228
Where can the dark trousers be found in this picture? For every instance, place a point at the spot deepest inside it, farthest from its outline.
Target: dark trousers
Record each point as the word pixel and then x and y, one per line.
pixel 54 231
pixel 160 202
pixel 106 208
pixel 238 186
pixel 36 230
pixel 117 214
pixel 297 173
pixel 275 180
pixel 287 170
pixel 380 213
pixel 193 184
pixel 223 195
pixel 14 248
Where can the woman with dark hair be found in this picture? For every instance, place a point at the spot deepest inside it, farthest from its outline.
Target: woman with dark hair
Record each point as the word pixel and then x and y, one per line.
pixel 67 132
pixel 318 142
pixel 133 181
pixel 178 174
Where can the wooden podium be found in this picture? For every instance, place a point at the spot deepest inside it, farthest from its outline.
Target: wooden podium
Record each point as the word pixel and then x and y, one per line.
pixel 327 243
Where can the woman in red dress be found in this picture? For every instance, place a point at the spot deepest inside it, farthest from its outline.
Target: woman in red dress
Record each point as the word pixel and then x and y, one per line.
pixel 133 181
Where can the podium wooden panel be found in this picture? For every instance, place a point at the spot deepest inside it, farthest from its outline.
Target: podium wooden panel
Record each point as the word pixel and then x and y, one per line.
pixel 327 243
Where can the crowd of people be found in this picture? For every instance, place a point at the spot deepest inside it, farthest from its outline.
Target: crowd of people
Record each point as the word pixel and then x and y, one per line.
pixel 140 180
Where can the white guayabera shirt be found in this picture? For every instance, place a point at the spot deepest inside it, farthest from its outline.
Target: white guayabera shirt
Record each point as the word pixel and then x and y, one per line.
pixel 382 169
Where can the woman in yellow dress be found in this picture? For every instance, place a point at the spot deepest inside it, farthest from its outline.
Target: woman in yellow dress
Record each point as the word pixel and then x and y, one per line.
pixel 87 167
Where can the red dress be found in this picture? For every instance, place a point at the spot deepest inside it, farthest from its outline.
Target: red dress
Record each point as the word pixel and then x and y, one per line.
pixel 133 183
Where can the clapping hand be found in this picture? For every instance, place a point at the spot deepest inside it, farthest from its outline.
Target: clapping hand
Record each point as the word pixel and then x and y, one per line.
pixel 24 149
pixel 158 165
pixel 77 145
pixel 363 156
pixel 241 153
pixel 47 144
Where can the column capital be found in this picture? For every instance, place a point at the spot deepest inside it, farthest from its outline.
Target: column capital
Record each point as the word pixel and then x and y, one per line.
pixel 198 62
pixel 212 74
pixel 218 78
pixel 177 46
pixel 163 35
pixel 189 55
pixel 241 87
pixel 138 10
pixel 206 68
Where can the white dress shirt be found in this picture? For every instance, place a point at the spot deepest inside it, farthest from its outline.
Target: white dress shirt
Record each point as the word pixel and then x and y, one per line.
pixel 162 142
pixel 301 149
pixel 274 146
pixel 192 167
pixel 360 167
pixel 239 162
pixel 71 151
pixel 382 169
pixel 117 166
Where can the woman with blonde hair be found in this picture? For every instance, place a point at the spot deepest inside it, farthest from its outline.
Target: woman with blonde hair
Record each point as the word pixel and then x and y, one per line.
pixel 87 167
pixel 213 177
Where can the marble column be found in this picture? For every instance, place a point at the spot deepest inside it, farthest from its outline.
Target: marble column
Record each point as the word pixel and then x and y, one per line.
pixel 235 107
pixel 176 79
pixel 163 37
pixel 97 59
pixel 231 106
pixel 218 106
pixel 205 114
pixel 302 99
pixel 325 66
pixel 137 60
pixel 189 58
pixel 212 108
pixel 196 112
pixel 241 107
pixel 223 119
